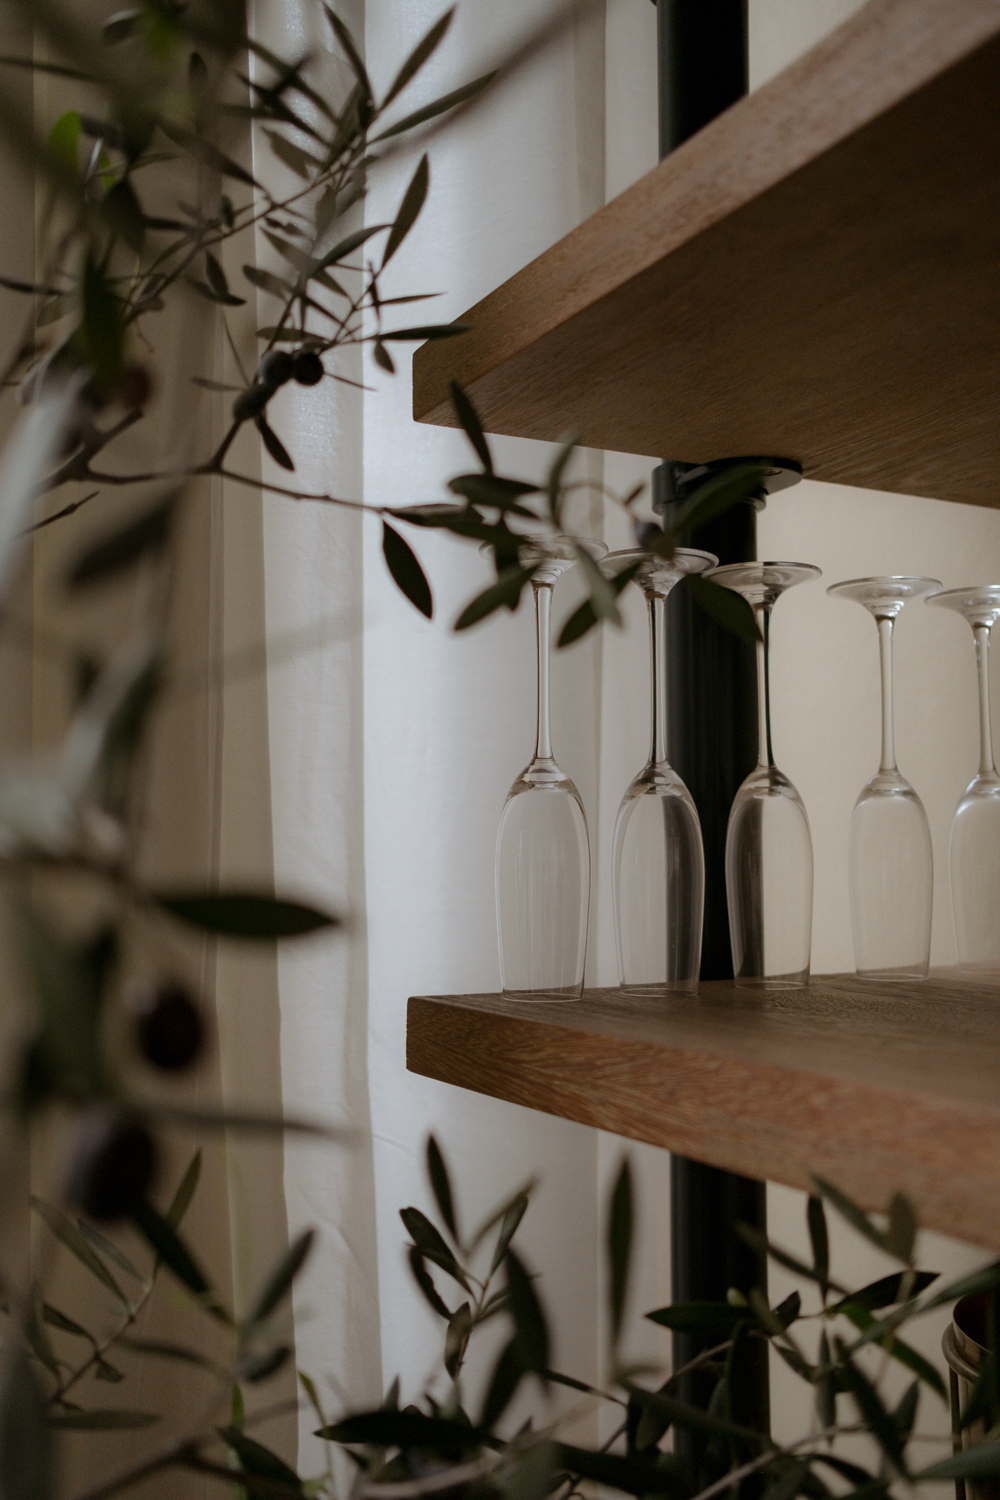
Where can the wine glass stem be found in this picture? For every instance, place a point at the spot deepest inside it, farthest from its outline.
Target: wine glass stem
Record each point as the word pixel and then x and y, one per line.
pixel 986 764
pixel 765 757
pixel 888 762
pixel 543 619
pixel 658 678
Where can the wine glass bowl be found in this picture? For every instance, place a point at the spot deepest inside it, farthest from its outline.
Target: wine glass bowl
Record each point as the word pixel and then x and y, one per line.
pixel 769 862
pixel 890 859
pixel 974 847
pixel 542 867
pixel 658 860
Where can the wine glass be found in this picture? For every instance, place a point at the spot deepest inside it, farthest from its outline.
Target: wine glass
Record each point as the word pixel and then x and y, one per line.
pixel 975 830
pixel 658 861
pixel 543 852
pixel 891 861
pixel 769 864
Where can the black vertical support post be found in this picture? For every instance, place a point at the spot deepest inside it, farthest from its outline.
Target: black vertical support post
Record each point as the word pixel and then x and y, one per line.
pixel 712 732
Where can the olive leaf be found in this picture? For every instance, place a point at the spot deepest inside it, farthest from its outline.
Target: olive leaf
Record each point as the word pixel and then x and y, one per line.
pixel 406 571
pixel 281 1278
pixel 424 49
pixel 620 1230
pixel 244 914
pixel 409 209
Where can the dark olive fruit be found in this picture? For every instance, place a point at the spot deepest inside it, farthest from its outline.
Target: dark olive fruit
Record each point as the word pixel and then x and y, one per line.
pixel 646 532
pixel 136 386
pixel 169 1026
pixel 113 1165
pixel 307 367
pixel 275 368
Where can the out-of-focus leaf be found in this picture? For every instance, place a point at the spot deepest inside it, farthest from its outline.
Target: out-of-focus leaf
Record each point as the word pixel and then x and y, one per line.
pixel 421 52
pixel 425 331
pixel 854 1472
pixel 874 1414
pixel 726 608
pixel 508 1228
pixel 33 287
pixel 508 1372
pixel 122 547
pixel 350 243
pixel 818 1235
pixel 162 1349
pixel 101 334
pixel 383 357
pixel 210 156
pixel 214 385
pixel 302 163
pixel 692 1417
pixel 905 1413
pixel 901 1351
pixel 38 1340
pixel 887 1290
pixel 281 1278
pixel 102 1419
pixel 120 27
pixel 555 476
pixel 530 1475
pixel 244 914
pixel 108 1373
pixel 785 1479
pixel 123 212
pixel 423 1279
pixel 710 1318
pixel 171 1249
pixel 261 1366
pixel 764 1248
pixel 787 1312
pixel 65 1231
pixel 718 493
pixel 216 275
pixel 406 571
pixel 63 141
pixel 57 1319
pixel 273 444
pixel 206 290
pixel 406 217
pixel 68 983
pixel 850 1211
pixel 441 1185
pixel 268 282
pixel 345 39
pixel 634 1476
pixel 826 1387
pixel 765 1315
pixel 620 1226
pixel 902 1231
pixel 985 1280
pixel 505 592
pixel 982 1461
pixel 469 422
pixel 438 107
pixel 431 1244
pixel 491 489
pixel 457 1338
pixel 584 618
pixel 529 1319
pixel 25 1448
pixel 404 1429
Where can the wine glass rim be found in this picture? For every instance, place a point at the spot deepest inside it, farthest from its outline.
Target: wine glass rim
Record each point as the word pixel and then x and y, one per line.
pixel 969 591
pixel 800 567
pixel 631 553
pixel 884 581
pixel 540 540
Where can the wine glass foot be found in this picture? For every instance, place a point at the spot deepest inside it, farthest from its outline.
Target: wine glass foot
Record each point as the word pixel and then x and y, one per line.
pixel 797 981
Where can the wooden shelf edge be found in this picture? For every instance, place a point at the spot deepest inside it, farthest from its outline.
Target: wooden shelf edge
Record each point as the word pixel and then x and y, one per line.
pixel 874 1092
pixel 812 275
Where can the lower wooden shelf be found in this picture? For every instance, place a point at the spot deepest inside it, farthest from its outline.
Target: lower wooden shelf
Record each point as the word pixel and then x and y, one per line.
pixel 878 1087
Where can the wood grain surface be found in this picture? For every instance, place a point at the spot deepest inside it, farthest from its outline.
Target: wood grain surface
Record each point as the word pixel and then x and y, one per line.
pixel 815 275
pixel 879 1087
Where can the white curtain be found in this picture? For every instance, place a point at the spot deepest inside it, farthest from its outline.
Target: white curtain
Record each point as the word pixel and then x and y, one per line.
pixel 392 746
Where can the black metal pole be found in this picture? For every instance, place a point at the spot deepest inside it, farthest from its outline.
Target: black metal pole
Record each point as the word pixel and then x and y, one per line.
pixel 712 734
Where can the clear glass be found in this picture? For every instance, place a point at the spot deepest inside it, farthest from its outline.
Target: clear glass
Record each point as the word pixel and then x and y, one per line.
pixel 769 862
pixel 658 860
pixel 543 852
pixel 974 854
pixel 890 859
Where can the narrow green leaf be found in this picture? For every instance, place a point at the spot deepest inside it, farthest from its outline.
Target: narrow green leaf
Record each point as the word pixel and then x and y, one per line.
pixel 210 156
pixel 64 1230
pixel 181 1201
pixel 985 1280
pixel 850 1211
pixel 302 163
pixel 123 211
pixel 468 420
pixel 717 495
pixel 457 1338
pixel 422 51
pixel 726 608
pixel 620 1228
pixel 711 1318
pixel 902 1231
pixel 63 140
pixel 900 1351
pixel 508 1228
pixel 818 1235
pixel 216 275
pixel 404 1429
pixel 508 1372
pixel 437 1171
pixel 873 1413
pixel 438 107
pixel 345 39
pixel 982 1461
pixel 171 1249
pixel 102 1419
pixel 786 1480
pixel 633 1476
pixel 424 1281
pixel 124 546
pixel 101 334
pixel 106 1372
pixel 491 489
pixel 682 1414
pixel 244 914
pixel 430 1243
pixel 505 592
pixel 789 1311
pixel 383 357
pixel 529 1319
pixel 273 444
pixel 255 1459
pixel 268 282
pixel 163 1349
pixel 887 1290
pixel 854 1472
pixel 905 1413
pixel 826 1387
pixel 281 1278
pixel 426 331
pixel 13 285
pixel 409 209
pixel 406 571
pixel 57 1319
pixel 345 246
pixel 764 1248
pixel 585 617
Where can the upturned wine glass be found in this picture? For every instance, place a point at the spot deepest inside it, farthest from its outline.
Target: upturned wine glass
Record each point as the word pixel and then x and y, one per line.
pixel 658 860
pixel 974 854
pixel 769 863
pixel 890 861
pixel 543 852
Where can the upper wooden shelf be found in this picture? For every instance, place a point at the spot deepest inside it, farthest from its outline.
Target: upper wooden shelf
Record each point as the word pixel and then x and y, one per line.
pixel 815 275
pixel 879 1087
